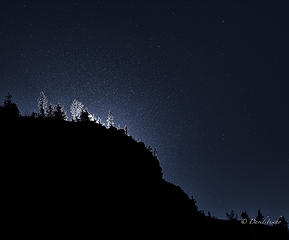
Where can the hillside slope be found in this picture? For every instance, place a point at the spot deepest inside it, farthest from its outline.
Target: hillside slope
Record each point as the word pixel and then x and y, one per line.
pixel 80 179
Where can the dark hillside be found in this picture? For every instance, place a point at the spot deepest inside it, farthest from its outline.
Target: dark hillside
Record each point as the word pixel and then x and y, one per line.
pixel 62 178
pixel 82 175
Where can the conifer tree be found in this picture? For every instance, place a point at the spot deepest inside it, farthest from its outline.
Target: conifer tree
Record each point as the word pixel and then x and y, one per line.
pixel 109 120
pixel 50 111
pixel 282 224
pixel 7 101
pixel 194 204
pixel 126 130
pixel 59 113
pixel 42 104
pixel 84 116
pixel 11 110
pixel 155 152
pixel 76 109
pixel 244 215
pixel 260 217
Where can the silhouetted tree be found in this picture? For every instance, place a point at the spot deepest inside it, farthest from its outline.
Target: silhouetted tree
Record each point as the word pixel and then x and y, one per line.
pixel 150 149
pixel 260 217
pixel 194 204
pixel 42 104
pixel 245 216
pixel 76 109
pixel 209 214
pixel 50 111
pixel 10 109
pixel 7 101
pixel 282 224
pixel 109 120
pixel 232 215
pixel 84 116
pixel 59 113
pixel 155 153
pixel 126 130
pixel 33 115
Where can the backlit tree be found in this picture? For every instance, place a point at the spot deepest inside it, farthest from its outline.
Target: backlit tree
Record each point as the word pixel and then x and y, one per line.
pixel 99 121
pixel 76 109
pixel 109 120
pixel 50 111
pixel 42 104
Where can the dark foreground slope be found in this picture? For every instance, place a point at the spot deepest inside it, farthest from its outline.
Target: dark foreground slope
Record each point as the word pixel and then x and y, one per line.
pixel 65 179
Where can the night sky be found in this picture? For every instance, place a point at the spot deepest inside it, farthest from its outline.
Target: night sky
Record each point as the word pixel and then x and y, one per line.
pixel 204 82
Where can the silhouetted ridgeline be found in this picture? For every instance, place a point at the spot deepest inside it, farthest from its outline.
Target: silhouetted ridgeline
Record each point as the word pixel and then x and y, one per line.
pixel 80 179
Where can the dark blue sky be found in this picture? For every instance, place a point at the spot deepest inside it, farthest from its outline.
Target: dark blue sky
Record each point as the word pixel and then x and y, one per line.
pixel 205 82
